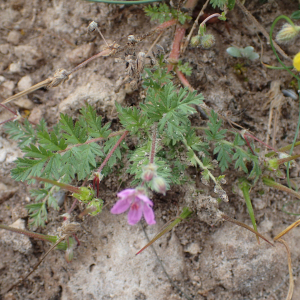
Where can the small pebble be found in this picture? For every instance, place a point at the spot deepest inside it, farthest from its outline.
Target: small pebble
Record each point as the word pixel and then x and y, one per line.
pixel 80 53
pixel 290 93
pixel 3 153
pixel 4 48
pixel 60 197
pixel 24 103
pixel 30 55
pixel 14 37
pixel 6 88
pixel 15 67
pixel 36 115
pixel 25 83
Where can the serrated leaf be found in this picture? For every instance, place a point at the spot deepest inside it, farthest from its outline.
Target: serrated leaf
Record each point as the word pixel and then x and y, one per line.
pixel 75 134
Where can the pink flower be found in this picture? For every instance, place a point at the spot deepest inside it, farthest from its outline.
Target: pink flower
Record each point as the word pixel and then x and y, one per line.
pixel 138 205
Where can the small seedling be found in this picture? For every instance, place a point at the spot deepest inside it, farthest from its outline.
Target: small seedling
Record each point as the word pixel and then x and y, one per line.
pixel 247 52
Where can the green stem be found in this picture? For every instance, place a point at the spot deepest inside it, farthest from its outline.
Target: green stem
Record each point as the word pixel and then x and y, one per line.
pixel 245 188
pixel 50 238
pixel 270 182
pixel 200 162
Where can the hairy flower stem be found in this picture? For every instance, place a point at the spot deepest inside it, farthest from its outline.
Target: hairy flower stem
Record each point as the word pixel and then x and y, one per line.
pixel 112 151
pixel 244 133
pixel 153 145
pixel 210 17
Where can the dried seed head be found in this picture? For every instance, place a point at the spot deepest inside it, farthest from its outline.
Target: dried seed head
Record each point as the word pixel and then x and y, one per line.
pixel 204 181
pixel 60 76
pixel 92 26
pixel 221 193
pixel 70 228
pixel 131 39
pixel 287 33
pixel 140 62
pixel 215 163
pixel 207 41
pixel 223 181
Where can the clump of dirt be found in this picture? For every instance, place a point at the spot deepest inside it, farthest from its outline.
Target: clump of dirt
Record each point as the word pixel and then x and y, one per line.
pixel 204 257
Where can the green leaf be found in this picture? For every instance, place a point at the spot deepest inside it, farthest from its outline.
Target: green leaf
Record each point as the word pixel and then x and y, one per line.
pixel 213 134
pixel 75 134
pixel 219 3
pixel 132 119
pixel 224 155
pixel 51 142
pixel 295 15
pixel 93 123
pixel 171 110
pixel 38 213
pixel 185 69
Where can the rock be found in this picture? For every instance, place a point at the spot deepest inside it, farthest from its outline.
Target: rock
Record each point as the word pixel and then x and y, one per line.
pixel 25 83
pixel 114 272
pixel 4 49
pixel 36 115
pixel 3 153
pixel 14 37
pixel 15 67
pixel 18 212
pixel 81 53
pixel 6 88
pixel 28 54
pixel 24 102
pixel 231 258
pixel 16 241
pixel 99 91
pixel 193 248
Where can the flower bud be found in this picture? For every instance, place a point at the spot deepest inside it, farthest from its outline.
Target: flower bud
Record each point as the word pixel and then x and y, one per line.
pixel 95 207
pixel 287 33
pixel 159 185
pixel 149 172
pixel 195 40
pixel 273 164
pixel 69 255
pixel 207 41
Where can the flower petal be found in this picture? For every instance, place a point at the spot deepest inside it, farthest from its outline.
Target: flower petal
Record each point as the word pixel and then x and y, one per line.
pixel 149 214
pixel 135 212
pixel 126 193
pixel 144 198
pixel 121 206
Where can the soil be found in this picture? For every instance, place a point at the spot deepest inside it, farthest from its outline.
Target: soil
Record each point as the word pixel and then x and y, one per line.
pixel 204 258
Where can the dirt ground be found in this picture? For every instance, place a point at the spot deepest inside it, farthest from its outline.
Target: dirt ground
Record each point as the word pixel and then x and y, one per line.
pixel 203 258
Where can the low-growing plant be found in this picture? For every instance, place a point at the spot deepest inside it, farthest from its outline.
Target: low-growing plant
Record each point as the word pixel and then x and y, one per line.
pixel 76 151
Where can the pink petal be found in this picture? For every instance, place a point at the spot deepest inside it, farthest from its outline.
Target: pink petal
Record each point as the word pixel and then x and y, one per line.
pixel 149 215
pixel 145 199
pixel 121 206
pixel 135 213
pixel 126 193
